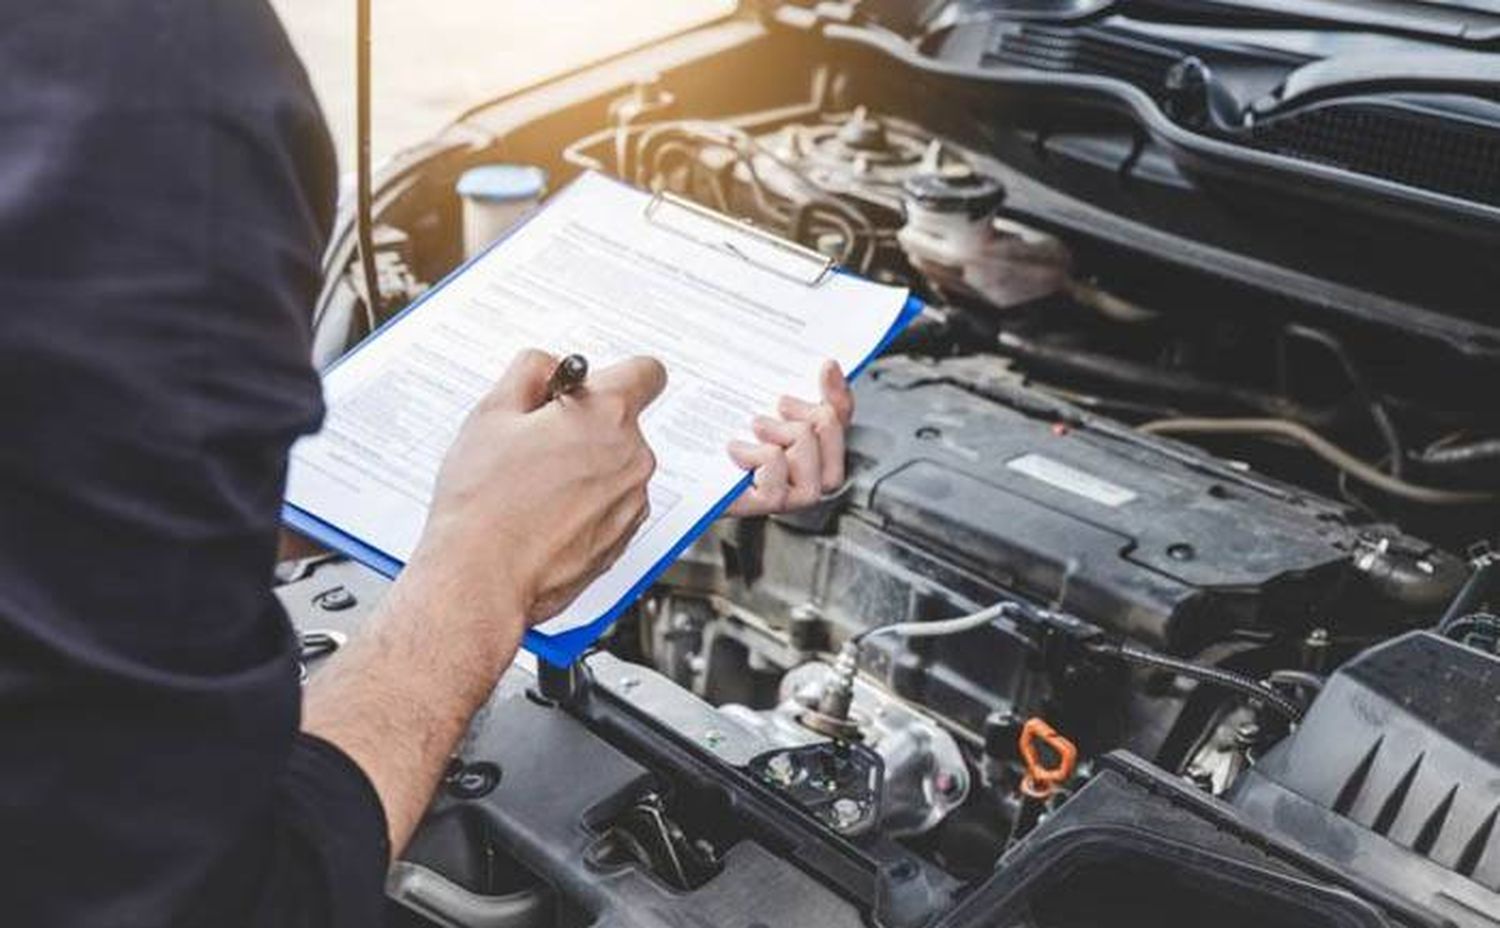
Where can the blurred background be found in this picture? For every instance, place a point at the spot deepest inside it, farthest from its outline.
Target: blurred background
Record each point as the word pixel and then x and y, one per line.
pixel 434 59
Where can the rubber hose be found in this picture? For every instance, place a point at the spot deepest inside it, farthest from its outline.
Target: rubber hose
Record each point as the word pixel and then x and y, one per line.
pixel 1212 676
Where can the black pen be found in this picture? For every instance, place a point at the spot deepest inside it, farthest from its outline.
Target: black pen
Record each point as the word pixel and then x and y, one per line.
pixel 567 376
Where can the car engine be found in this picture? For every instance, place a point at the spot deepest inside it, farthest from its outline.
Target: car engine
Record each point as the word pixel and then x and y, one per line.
pixel 1159 590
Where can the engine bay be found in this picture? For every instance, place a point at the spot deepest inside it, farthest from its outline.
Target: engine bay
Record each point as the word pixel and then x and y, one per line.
pixel 1159 590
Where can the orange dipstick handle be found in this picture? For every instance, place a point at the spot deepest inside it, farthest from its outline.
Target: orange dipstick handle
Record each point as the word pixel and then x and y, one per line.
pixel 1040 780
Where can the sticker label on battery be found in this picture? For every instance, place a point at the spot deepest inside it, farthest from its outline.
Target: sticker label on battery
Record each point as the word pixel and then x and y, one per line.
pixel 1065 477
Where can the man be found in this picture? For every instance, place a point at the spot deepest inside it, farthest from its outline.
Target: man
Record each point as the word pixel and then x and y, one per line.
pixel 166 187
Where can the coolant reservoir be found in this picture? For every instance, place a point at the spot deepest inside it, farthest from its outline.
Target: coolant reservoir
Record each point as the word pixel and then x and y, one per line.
pixel 953 237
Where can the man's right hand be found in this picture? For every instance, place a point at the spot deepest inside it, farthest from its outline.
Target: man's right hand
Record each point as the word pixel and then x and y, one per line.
pixel 535 499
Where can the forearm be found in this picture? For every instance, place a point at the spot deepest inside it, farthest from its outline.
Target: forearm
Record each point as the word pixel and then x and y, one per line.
pixel 400 695
pixel 532 502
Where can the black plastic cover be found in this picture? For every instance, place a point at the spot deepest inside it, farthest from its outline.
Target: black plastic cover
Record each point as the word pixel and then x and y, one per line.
pixel 1136 846
pixel 1395 775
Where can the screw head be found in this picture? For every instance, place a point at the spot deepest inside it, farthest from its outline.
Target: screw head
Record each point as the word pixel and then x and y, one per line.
pixel 781 769
pixel 335 600
pixel 846 812
pixel 471 781
pixel 945 783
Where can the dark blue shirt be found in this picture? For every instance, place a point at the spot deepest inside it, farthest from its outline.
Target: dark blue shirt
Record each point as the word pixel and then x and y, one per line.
pixel 166 190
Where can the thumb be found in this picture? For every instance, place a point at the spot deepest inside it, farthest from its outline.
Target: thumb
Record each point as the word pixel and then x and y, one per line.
pixel 523 386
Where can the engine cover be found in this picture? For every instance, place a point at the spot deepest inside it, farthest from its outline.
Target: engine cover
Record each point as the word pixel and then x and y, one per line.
pixel 1156 541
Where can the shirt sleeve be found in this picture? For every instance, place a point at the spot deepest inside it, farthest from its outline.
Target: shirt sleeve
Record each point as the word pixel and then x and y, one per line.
pixel 166 191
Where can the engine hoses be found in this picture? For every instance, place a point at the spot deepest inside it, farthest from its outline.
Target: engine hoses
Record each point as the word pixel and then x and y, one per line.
pixel 1213 676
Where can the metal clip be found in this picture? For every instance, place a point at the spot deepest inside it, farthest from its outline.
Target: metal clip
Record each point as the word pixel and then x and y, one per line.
pixel 755 240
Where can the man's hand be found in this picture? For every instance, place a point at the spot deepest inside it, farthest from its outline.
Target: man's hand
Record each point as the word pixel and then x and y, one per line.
pixel 801 455
pixel 536 499
pixel 533 501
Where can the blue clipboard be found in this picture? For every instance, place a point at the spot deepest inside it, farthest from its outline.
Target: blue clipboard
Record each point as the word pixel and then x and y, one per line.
pixel 565 648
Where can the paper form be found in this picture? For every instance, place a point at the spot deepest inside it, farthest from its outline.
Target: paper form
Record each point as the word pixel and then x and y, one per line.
pixel 588 274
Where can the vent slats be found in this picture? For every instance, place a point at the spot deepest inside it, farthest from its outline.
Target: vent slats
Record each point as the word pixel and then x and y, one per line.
pixel 1355 785
pixel 1433 827
pixel 1478 841
pixel 1090 51
pixel 1397 798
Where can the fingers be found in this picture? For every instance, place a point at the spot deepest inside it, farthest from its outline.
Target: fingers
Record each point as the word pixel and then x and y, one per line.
pixel 523 386
pixel 639 381
pixel 828 430
pixel 836 392
pixel 828 420
pixel 803 452
pixel 769 492
pixel 801 456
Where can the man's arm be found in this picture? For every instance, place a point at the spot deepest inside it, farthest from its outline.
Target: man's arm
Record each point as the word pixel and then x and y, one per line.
pixel 534 500
pixel 166 190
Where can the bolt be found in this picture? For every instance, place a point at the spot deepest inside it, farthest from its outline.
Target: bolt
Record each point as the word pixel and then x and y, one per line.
pixel 713 737
pixel 805 612
pixel 1181 551
pixel 469 780
pixel 629 683
pixel 1315 648
pixel 1246 733
pixel 781 769
pixel 334 600
pixel 473 780
pixel 946 783
pixel 846 812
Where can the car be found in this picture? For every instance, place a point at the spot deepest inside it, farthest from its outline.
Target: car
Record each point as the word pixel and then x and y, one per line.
pixel 1159 592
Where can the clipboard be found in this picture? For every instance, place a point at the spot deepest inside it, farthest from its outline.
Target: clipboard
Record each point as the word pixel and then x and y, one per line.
pixel 710 229
pixel 739 238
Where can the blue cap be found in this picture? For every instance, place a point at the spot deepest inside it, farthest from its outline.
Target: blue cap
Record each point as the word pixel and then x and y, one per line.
pixel 500 183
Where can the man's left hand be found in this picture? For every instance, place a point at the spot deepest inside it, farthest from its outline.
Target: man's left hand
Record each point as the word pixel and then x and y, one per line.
pixel 800 457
